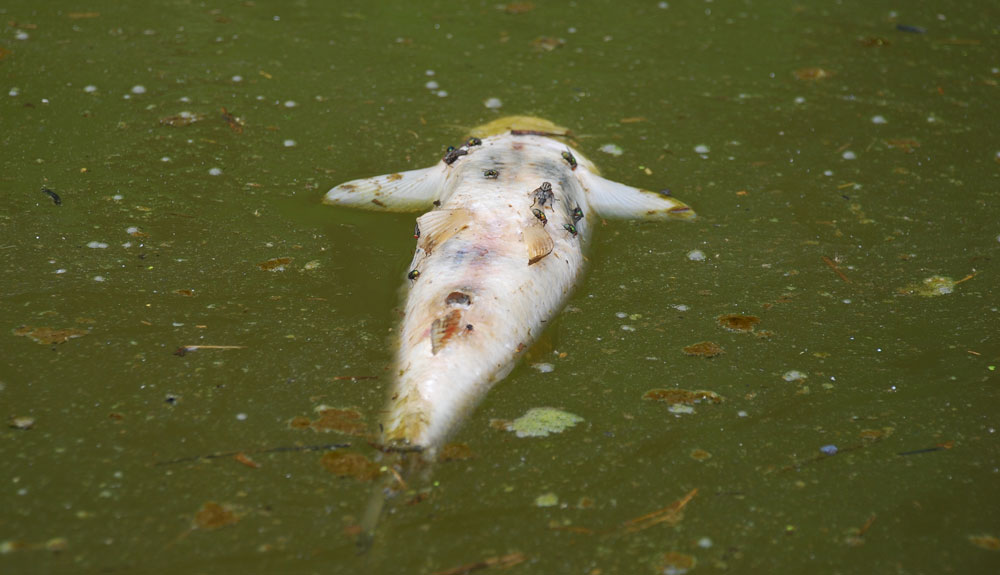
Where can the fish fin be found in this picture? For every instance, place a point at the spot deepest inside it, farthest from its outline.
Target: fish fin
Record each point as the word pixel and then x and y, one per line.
pixel 439 225
pixel 538 242
pixel 399 192
pixel 445 328
pixel 613 200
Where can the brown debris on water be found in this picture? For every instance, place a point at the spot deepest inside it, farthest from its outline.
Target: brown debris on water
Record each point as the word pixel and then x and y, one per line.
pixel 343 464
pixel 813 74
pixel 700 455
pixel 214 516
pixel 346 421
pixel 674 396
pixel 704 349
pixel 738 323
pixel 48 335
pixel 502 562
pixel 275 264
pixel 671 514
pixel 676 563
pixel 21 422
pixel 988 542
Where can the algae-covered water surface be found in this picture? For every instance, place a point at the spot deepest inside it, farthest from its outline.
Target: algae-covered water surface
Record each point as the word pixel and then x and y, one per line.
pixel 196 352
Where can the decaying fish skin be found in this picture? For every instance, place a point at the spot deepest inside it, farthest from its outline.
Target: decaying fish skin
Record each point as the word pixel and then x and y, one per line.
pixel 491 272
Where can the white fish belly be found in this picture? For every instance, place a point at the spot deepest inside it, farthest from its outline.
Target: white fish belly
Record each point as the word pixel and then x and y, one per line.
pixel 479 301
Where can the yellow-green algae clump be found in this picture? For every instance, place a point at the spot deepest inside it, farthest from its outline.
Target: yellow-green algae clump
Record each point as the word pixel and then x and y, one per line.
pixel 541 421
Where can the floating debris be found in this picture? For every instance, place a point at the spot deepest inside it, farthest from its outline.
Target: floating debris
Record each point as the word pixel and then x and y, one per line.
pixel 541 421
pixel 700 455
pixel 214 516
pixel 682 396
pixel 493 103
pixel 547 500
pixel 275 264
pixel 346 421
pixel 55 197
pixel 829 449
pixel 613 149
pixel 794 375
pixel 676 563
pixel 48 335
pixel 501 562
pixel 547 43
pixel 543 367
pixel 813 74
pixel 989 542
pixel 680 409
pixel 696 256
pixel 738 323
pixel 670 514
pixel 21 422
pixel 932 286
pixel 343 464
pixel 704 349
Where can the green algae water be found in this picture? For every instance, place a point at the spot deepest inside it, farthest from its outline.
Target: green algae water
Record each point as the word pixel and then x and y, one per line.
pixel 190 336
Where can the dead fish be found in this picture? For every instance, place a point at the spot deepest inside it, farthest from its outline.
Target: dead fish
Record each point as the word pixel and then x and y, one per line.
pixel 487 260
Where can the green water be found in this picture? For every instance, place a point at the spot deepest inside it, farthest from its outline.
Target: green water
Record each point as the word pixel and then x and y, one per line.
pixel 885 163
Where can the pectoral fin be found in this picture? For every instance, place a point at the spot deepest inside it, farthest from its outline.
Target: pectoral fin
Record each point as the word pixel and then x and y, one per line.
pixel 401 192
pixel 437 226
pixel 538 242
pixel 613 200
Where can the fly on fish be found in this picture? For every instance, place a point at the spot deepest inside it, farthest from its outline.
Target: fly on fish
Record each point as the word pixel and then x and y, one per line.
pixel 485 257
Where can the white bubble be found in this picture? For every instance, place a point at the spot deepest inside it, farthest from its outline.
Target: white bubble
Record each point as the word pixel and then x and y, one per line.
pixel 165 159
pixel 90 88
pixel 241 416
pixel 14 92
pixel 681 307
pixel 60 271
pixel 138 89
pixel 493 103
pixel 701 149
pixel 879 120
pixel 431 85
pixel 237 78
pixel 543 367
pixel 289 143
pixel 628 328
pixel 97 245
pixel 215 172
pixel 21 35
pixel 696 255
pixel 291 103
pixel 849 155
pixel 98 278
pixel 800 100
pixel 131 230
pixel 429 72
pixel 442 94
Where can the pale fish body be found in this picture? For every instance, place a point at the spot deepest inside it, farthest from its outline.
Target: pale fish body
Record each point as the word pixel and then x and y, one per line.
pixel 496 259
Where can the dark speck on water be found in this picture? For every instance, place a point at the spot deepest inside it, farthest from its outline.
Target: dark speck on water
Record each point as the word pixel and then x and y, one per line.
pixel 911 29
pixel 55 197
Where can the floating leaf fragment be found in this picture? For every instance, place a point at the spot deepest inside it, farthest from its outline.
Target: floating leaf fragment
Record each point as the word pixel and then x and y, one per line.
pixel 275 264
pixel 674 396
pixel 704 349
pixel 700 455
pixel 48 335
pixel 547 43
pixel 547 500
pixel 932 286
pixel 989 542
pixel 21 422
pixel 343 464
pixel 541 421
pixel 737 322
pixel 213 516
